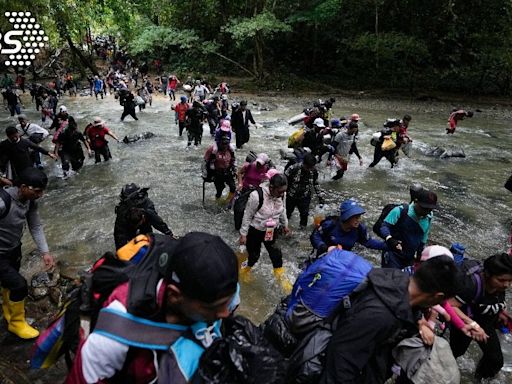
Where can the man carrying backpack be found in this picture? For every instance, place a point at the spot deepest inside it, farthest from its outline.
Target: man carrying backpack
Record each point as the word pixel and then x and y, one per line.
pixel 193 284
pixel 220 163
pixel 406 229
pixel 136 214
pixel 17 205
pixel 302 180
pixel 481 303
pixel 380 316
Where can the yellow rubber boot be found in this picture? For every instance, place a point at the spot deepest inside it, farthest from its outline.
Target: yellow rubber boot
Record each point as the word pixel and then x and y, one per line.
pixel 18 325
pixel 5 305
pixel 245 274
pixel 229 197
pixel 283 280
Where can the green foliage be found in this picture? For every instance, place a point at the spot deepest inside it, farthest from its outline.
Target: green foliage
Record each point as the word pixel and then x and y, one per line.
pixel 155 39
pixel 265 24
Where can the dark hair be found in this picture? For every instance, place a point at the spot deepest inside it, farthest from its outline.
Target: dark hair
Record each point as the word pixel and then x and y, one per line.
pixel 353 125
pixel 438 274
pixel 32 177
pixel 278 180
pixel 72 123
pixel 309 160
pixel 469 114
pixel 498 264
pixel 407 117
pixel 10 130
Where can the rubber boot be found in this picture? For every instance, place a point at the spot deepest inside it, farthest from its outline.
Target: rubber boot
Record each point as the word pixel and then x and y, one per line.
pixel 5 305
pixel 245 274
pixel 18 325
pixel 283 280
pixel 229 197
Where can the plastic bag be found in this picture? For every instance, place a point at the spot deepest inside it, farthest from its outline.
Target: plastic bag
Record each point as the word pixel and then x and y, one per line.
pixel 388 144
pixel 307 362
pixel 277 331
pixel 242 356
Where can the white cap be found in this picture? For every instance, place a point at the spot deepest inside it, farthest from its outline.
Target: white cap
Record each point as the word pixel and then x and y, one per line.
pixel 262 158
pixel 319 122
pixel 434 251
pixel 63 108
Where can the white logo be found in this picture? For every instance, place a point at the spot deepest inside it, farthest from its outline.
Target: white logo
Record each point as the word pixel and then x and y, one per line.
pixel 24 42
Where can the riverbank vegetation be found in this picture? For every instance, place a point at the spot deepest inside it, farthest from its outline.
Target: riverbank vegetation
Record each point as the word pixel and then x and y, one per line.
pixel 410 45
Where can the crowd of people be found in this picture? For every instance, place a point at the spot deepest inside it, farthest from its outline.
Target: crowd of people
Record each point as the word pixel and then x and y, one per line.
pixel 159 323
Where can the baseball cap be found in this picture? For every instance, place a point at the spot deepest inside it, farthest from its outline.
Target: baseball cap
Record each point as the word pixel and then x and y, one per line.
pixel 434 251
pixel 262 158
pixel 33 177
pixel 355 117
pixel 335 123
pixel 319 122
pixel 350 208
pixel 98 121
pixel 204 267
pixel 427 199
pixel 183 98
pixel 63 108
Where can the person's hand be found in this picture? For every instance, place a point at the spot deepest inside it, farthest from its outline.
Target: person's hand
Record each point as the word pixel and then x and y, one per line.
pixel 5 181
pixel 53 156
pixel 239 187
pixel 426 334
pixel 394 245
pixel 243 240
pixel 48 260
pixel 477 332
pixel 360 162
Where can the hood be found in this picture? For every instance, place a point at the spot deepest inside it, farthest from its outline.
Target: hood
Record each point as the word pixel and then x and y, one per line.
pixel 391 287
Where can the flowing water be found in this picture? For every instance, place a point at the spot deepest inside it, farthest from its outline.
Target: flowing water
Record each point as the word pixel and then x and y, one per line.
pixel 476 210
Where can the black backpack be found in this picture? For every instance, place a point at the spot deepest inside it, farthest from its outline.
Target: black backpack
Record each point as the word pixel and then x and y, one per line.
pixel 4 195
pixel 241 202
pixel 385 211
pixel 106 274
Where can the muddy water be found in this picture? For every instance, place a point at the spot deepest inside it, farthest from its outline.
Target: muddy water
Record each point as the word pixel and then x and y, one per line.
pixel 476 209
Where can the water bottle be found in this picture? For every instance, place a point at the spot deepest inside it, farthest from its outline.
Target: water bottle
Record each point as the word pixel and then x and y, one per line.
pixel 506 348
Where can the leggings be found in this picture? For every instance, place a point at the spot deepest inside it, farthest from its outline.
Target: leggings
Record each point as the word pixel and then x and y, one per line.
pixel 254 240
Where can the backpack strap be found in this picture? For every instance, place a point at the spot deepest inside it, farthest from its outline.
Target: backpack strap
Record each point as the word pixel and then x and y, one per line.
pixel 135 331
pixel 474 272
pixel 260 197
pixel 7 201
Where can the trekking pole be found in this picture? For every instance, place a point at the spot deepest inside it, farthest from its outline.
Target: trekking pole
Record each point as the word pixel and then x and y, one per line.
pixel 204 190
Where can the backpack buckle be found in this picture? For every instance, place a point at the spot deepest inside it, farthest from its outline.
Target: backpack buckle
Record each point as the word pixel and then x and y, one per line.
pixel 347 303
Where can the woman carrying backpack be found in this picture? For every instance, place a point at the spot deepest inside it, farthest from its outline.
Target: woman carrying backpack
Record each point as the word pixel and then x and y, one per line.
pixel 345 230
pixel 260 226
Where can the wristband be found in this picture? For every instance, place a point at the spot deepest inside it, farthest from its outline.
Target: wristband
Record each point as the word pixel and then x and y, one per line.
pixel 388 237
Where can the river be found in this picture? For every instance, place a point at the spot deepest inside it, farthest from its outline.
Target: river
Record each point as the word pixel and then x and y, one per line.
pixel 475 208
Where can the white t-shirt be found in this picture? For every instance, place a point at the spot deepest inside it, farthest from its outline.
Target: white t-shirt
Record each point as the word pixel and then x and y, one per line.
pixel 30 129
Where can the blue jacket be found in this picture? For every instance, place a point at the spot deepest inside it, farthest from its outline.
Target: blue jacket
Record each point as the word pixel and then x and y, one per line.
pixel 410 229
pixel 330 233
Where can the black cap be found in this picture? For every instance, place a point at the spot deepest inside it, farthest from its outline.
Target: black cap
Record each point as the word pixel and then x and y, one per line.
pixel 204 267
pixel 426 199
pixel 33 177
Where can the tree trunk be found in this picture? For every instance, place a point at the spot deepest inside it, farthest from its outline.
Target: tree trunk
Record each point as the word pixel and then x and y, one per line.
pixel 258 56
pixel 75 50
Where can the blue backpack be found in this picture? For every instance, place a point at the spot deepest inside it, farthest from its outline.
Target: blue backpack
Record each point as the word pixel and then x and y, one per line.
pixel 327 282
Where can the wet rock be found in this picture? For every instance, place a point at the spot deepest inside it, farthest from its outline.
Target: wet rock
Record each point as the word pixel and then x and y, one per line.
pixel 45 279
pixel 39 292
pixel 444 153
pixel 56 295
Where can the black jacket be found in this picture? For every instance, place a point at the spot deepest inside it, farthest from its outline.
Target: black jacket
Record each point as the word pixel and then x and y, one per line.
pixel 124 231
pixel 360 348
pixel 18 154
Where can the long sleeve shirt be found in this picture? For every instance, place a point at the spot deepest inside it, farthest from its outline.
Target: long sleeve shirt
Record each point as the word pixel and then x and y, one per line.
pixel 12 225
pixel 273 208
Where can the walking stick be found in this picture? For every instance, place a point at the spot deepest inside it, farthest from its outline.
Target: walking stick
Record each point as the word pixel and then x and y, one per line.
pixel 204 189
